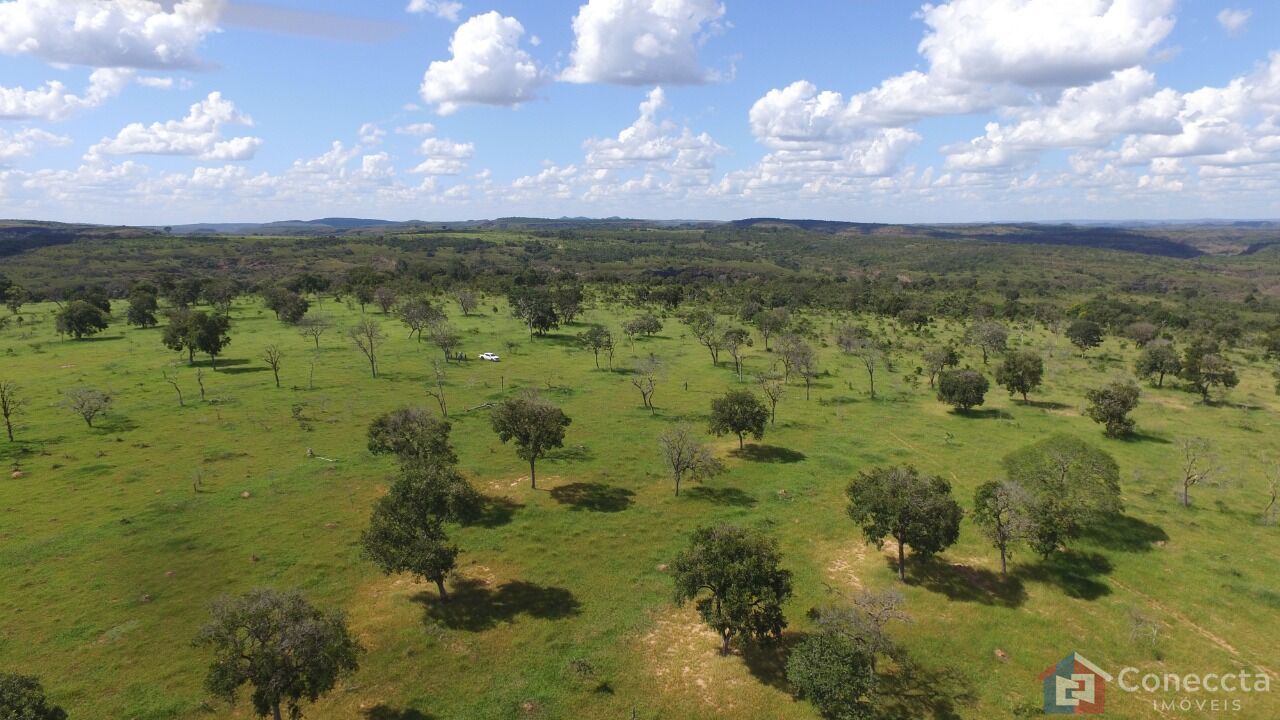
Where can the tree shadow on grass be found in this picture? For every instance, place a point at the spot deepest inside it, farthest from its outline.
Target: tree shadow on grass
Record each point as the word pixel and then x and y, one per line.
pixel 99 338
pixel 386 712
pixel 720 495
pixel 593 497
pixel 577 452
pixel 114 424
pixel 1044 405
pixel 222 363
pixel 1129 534
pixel 474 607
pixel 494 512
pixel 768 454
pixel 767 661
pixel 988 414
pixel 1139 437
pixel 1075 573
pixel 962 583
pixel 914 692
pixel 242 370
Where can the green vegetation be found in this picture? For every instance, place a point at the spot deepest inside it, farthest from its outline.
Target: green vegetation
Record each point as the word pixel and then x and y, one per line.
pixel 328 475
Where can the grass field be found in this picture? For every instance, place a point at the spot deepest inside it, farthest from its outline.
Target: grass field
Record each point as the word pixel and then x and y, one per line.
pixel 115 539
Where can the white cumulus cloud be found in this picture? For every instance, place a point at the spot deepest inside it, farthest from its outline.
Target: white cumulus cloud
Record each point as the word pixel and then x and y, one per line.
pixel 52 101
pixel 109 33
pixel 199 135
pixel 488 67
pixel 1233 20
pixel 444 157
pixel 22 143
pixel 445 9
pixel 641 42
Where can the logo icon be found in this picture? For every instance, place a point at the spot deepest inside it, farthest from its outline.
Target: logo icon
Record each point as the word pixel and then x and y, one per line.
pixel 1074 686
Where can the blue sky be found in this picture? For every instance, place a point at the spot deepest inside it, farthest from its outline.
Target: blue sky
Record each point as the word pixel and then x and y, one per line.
pixel 174 111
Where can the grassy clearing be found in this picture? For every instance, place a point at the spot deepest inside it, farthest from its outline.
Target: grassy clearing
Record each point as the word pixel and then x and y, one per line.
pixel 115 538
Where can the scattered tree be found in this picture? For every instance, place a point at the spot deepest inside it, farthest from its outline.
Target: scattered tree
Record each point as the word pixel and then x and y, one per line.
pixel 938 359
pixel 412 435
pixel 733 577
pixel 1002 510
pixel 687 457
pixel 10 405
pixel 645 379
pixel 831 671
pixel 773 388
pixel 772 322
pixel 386 299
pixel 81 319
pixel 208 334
pixel 1021 372
pixel 88 403
pixel 834 674
pixel 962 389
pixel 22 697
pixel 446 337
pixel 915 510
pixel 314 327
pixel 1157 360
pixel 143 305
pixel 1142 333
pixel 1197 466
pixel 467 301
pixel 1071 485
pixel 436 390
pixel 367 336
pixel 988 336
pixel 418 314
pixel 1085 334
pixel 534 424
pixel 739 412
pixel 706 329
pixel 281 646
pixel 856 341
pixel 272 356
pixel 1210 371
pixel 734 340
pixel 1110 406
pixel 596 339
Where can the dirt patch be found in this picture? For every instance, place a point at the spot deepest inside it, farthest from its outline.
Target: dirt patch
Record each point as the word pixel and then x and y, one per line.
pixel 684 655
pixel 847 566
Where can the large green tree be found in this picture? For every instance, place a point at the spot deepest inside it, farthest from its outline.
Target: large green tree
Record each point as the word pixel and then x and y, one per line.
pixel 80 319
pixel 22 697
pixel 733 577
pixel 1021 372
pixel 741 413
pixel 1071 484
pixel 1110 406
pixel 915 510
pixel 833 673
pixel 283 648
pixel 963 389
pixel 412 434
pixel 534 424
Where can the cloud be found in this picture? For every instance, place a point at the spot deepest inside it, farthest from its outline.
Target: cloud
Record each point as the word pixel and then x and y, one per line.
pixel 488 67
pixel 109 33
pixel 199 135
pixel 1234 21
pixel 416 129
pixel 444 157
pixel 445 9
pixel 654 143
pixel 641 42
pixel 24 142
pixel 53 102
pixel 1041 42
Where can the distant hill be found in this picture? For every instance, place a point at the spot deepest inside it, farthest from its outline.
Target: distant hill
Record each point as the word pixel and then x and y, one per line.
pixel 1146 241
